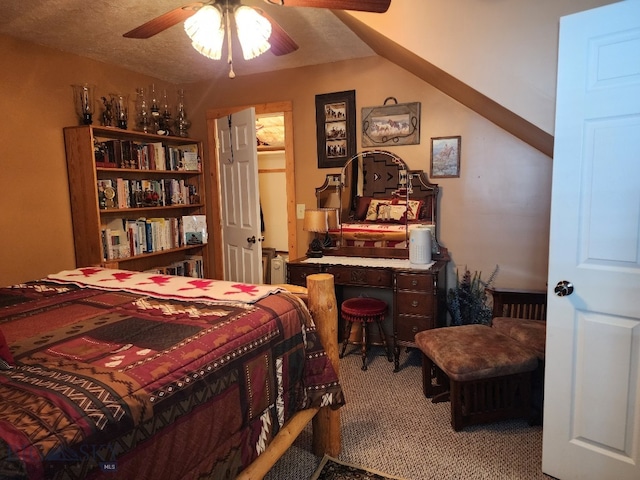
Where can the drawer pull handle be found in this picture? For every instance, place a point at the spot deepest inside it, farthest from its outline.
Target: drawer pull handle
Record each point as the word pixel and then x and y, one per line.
pixel 414 329
pixel 414 282
pixel 415 303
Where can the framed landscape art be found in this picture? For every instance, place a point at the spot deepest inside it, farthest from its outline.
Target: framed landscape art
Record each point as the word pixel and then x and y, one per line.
pixel 391 124
pixel 445 157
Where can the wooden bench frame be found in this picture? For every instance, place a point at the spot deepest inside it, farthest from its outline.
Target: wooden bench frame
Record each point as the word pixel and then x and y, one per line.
pixel 525 304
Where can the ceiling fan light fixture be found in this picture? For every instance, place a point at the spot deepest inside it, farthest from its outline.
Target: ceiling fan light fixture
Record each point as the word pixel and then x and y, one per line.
pixel 254 31
pixel 206 31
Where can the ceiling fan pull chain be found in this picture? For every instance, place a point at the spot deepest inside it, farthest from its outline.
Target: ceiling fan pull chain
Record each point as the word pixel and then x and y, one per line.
pixel 232 74
pixel 230 138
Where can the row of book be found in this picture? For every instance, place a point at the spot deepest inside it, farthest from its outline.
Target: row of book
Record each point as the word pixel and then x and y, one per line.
pixel 124 238
pixel 191 266
pixel 125 193
pixel 117 153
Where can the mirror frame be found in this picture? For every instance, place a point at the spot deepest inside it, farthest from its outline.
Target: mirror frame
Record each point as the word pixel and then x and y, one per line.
pixel 415 182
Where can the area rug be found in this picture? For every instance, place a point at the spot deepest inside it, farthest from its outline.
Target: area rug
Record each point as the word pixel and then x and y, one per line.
pixel 333 469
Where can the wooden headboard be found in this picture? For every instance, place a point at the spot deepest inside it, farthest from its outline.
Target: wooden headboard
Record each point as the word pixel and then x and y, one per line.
pixel 385 175
pixel 379 175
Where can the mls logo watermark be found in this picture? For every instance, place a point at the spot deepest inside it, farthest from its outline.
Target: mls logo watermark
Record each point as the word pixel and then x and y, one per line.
pixel 102 455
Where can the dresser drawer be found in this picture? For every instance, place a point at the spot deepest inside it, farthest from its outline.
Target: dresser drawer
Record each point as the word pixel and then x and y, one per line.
pixel 408 326
pixel 411 281
pixel 297 274
pixel 414 303
pixel 370 277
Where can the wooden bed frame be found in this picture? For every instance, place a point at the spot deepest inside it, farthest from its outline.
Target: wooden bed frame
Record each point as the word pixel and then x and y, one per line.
pixel 321 299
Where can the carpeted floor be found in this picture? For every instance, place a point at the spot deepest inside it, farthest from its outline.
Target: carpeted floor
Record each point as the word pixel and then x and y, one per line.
pixel 389 426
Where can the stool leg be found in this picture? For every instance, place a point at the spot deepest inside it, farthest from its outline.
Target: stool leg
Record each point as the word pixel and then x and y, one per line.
pixel 347 332
pixel 387 348
pixel 364 345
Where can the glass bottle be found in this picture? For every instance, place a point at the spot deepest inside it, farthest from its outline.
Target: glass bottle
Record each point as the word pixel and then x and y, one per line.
pixel 83 102
pixel 120 109
pixel 144 122
pixel 165 115
pixel 182 122
pixel 154 107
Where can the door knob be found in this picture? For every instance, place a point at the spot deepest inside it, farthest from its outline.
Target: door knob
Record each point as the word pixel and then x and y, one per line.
pixel 563 288
pixel 251 239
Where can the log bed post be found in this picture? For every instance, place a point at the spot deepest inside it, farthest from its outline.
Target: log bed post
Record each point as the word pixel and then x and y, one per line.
pixel 324 310
pixel 326 422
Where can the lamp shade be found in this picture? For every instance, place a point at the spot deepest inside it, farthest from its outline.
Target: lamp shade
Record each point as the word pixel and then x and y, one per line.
pixel 316 220
pixel 206 30
pixel 332 218
pixel 253 32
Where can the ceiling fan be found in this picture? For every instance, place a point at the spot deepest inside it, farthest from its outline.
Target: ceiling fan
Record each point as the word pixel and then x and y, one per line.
pixel 207 22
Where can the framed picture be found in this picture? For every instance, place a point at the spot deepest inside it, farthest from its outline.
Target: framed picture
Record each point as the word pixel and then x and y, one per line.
pixel 391 125
pixel 267 255
pixel 336 128
pixel 445 157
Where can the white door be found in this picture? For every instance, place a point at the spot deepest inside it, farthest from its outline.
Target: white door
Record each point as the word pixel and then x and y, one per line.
pixel 239 197
pixel 592 385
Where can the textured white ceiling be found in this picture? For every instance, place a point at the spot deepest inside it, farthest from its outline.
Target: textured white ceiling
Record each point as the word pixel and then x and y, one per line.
pixel 94 28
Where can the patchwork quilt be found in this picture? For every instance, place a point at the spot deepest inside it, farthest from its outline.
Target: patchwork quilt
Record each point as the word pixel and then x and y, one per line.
pixel 114 382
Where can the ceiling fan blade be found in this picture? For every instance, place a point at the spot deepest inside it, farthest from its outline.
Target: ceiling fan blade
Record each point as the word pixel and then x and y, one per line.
pixel 375 6
pixel 281 42
pixel 164 21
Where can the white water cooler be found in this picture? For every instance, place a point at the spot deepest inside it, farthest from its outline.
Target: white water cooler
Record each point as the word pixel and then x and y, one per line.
pixel 420 245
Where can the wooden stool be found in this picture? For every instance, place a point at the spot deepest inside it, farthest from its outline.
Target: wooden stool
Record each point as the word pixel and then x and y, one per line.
pixel 489 373
pixel 364 310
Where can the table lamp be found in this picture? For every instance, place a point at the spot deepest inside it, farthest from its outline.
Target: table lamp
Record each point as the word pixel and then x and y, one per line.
pixel 317 221
pixel 332 224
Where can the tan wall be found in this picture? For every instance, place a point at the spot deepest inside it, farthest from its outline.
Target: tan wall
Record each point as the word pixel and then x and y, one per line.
pixel 36 103
pixel 506 50
pixel 497 212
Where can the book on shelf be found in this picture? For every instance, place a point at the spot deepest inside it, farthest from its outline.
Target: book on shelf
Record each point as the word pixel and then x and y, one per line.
pixel 134 154
pixel 115 240
pixel 194 229
pixel 191 266
pixel 124 193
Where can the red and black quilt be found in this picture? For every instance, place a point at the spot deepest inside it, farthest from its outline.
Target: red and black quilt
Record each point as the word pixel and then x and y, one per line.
pixel 116 383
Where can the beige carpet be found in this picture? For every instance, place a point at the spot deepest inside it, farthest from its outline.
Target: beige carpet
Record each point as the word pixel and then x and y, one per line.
pixel 389 426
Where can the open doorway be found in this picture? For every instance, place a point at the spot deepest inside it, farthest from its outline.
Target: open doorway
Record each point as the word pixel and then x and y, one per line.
pixel 283 109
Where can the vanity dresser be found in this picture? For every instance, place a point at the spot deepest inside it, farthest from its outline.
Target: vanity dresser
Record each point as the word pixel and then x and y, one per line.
pixel 371 249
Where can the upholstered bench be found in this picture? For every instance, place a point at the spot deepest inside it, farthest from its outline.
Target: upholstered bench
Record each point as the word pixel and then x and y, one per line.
pixel 487 374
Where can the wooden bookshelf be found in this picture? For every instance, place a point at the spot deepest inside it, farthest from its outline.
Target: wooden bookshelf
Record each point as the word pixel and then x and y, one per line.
pixel 91 215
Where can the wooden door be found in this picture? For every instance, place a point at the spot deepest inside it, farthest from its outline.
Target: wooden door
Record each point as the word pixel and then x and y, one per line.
pixel 239 197
pixel 592 384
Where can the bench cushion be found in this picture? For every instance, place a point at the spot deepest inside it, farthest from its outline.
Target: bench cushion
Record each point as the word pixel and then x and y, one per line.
pixel 473 352
pixel 532 333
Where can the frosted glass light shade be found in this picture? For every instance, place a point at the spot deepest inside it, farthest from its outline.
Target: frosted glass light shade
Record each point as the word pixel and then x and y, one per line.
pixel 253 32
pixel 206 31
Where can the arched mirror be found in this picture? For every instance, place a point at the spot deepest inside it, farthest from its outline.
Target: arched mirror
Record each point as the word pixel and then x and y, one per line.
pixel 379 201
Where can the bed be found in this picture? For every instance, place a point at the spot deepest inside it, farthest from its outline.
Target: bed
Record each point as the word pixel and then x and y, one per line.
pixel 380 201
pixel 117 374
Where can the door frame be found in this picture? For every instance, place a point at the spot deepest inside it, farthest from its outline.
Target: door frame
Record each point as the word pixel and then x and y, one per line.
pixel 213 197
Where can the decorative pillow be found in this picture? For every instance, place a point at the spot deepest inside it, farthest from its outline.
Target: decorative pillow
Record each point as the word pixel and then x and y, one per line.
pixel 392 213
pixel 362 206
pixel 413 209
pixel 372 211
pixel 5 354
